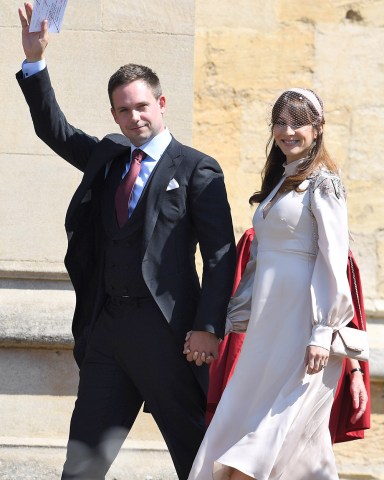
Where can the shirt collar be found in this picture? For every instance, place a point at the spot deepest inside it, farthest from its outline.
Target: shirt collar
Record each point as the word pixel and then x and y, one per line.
pixel 291 168
pixel 157 145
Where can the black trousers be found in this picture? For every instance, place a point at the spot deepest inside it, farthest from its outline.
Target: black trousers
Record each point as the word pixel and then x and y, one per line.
pixel 132 357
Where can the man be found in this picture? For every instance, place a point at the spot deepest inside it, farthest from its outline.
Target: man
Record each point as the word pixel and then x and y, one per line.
pixel 131 259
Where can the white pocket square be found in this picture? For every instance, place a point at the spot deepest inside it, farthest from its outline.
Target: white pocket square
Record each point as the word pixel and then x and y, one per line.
pixel 172 185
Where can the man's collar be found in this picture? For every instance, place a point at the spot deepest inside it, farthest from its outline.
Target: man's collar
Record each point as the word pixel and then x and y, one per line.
pixel 156 146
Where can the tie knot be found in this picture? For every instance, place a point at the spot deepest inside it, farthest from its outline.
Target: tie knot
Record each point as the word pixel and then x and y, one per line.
pixel 138 155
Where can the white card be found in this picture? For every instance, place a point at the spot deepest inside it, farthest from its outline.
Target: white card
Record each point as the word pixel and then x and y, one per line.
pixel 52 10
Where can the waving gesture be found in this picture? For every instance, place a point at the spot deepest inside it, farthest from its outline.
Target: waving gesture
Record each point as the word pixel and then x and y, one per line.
pixel 34 43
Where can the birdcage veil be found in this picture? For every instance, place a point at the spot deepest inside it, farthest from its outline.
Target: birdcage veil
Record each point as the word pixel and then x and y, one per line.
pixel 296 107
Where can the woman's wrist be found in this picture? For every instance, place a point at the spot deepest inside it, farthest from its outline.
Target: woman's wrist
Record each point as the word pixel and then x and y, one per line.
pixel 356 370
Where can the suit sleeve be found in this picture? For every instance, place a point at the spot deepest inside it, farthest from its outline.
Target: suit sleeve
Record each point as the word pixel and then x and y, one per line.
pixel 50 123
pixel 213 224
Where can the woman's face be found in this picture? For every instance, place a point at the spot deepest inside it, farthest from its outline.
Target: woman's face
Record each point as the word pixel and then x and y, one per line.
pixel 293 140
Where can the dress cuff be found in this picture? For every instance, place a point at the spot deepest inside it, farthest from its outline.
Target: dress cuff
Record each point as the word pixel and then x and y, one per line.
pixel 321 336
pixel 239 326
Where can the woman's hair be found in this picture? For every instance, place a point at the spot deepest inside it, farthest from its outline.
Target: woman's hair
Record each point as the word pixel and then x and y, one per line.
pixel 296 105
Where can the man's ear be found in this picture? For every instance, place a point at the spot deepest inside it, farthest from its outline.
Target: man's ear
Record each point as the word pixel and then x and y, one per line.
pixel 162 103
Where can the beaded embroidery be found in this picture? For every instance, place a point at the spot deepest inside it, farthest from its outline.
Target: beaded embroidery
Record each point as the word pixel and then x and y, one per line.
pixel 326 181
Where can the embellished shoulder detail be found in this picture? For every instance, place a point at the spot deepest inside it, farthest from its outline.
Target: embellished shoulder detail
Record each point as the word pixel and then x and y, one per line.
pixel 327 182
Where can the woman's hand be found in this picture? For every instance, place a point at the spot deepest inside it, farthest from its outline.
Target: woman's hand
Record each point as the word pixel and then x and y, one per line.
pixel 316 358
pixel 359 395
pixel 357 389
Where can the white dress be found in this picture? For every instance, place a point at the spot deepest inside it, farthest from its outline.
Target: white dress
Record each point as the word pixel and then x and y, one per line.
pixel 272 420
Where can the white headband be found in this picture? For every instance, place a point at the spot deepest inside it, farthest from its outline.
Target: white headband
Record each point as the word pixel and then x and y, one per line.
pixel 309 96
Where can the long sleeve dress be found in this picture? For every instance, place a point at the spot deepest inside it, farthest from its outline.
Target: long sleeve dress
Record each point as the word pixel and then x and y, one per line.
pixel 272 420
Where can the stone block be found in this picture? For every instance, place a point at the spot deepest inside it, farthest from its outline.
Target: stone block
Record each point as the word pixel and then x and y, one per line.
pixel 365 207
pixel 36 313
pixel 239 62
pixel 363 247
pixel 35 193
pixel 375 328
pixel 334 67
pixel 37 394
pixel 153 16
pixel 327 11
pixel 134 462
pixel 257 16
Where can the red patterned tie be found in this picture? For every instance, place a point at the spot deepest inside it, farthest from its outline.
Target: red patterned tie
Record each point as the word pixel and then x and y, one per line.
pixel 125 189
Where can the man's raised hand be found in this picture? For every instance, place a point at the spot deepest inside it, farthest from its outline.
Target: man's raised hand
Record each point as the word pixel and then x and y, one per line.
pixel 34 43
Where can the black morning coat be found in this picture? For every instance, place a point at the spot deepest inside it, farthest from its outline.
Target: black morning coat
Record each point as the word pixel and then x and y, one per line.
pixel 175 221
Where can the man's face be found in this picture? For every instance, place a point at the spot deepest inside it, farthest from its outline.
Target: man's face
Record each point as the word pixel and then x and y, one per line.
pixel 137 112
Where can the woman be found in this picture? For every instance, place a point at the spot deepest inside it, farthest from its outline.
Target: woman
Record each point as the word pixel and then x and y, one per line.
pixel 272 420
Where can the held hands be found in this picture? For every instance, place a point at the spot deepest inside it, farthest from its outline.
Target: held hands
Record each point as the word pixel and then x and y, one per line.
pixel 316 358
pixel 34 43
pixel 201 347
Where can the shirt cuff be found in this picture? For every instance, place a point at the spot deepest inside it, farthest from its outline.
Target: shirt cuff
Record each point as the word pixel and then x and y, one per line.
pixel 30 68
pixel 321 336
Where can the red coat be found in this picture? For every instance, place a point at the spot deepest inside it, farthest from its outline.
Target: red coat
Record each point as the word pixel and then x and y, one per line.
pixel 220 371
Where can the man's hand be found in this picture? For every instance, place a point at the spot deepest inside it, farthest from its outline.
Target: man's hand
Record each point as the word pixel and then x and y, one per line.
pixel 201 347
pixel 316 358
pixel 34 43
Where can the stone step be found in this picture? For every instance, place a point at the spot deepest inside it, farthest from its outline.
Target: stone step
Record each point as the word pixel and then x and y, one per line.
pixel 135 461
pixel 37 459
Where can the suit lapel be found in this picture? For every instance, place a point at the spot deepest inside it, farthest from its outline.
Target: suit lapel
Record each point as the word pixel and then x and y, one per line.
pixel 163 174
pixel 108 149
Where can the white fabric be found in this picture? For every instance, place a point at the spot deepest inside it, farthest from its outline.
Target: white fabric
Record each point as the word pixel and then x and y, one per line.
pixel 272 420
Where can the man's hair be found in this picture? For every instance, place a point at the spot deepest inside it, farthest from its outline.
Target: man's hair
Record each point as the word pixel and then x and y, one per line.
pixel 131 72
